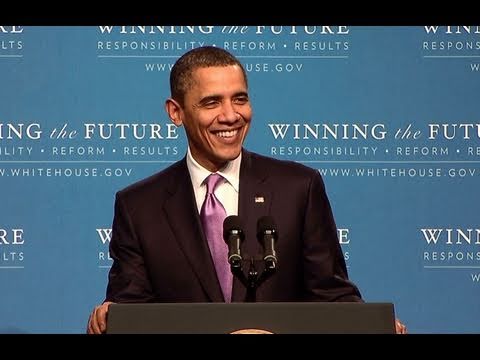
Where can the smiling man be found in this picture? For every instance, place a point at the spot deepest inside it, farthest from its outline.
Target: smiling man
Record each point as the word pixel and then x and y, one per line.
pixel 212 103
pixel 167 243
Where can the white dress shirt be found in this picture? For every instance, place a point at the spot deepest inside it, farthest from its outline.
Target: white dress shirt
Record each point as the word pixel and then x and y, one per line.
pixel 226 191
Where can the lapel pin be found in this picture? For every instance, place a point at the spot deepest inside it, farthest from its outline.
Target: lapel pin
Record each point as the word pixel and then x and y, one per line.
pixel 259 199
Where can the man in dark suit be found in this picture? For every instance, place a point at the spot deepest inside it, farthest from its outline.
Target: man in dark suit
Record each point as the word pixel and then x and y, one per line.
pixel 159 244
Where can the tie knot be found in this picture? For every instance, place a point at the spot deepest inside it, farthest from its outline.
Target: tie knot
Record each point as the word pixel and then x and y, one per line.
pixel 212 181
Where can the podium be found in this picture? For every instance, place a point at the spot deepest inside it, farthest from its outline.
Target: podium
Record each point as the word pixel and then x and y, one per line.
pixel 274 317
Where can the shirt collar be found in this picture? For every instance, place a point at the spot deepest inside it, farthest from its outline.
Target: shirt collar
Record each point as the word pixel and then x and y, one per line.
pixel 231 171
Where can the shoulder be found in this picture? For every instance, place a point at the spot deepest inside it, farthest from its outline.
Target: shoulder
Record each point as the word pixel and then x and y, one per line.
pixel 283 168
pixel 154 185
pixel 294 181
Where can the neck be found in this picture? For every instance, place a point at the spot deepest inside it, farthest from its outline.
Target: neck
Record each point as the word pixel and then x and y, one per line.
pixel 209 165
pixel 213 167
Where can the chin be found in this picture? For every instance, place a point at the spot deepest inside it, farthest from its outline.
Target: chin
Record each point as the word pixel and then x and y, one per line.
pixel 228 152
pixel 232 155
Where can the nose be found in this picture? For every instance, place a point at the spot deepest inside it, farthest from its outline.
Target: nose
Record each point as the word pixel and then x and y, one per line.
pixel 228 113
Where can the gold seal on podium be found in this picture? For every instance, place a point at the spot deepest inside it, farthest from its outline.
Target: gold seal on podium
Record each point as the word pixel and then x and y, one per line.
pixel 251 331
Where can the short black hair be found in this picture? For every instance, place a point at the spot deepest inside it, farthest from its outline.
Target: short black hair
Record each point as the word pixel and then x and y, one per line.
pixel 201 57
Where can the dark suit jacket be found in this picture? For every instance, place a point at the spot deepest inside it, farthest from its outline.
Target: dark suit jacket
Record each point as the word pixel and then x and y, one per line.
pixel 161 255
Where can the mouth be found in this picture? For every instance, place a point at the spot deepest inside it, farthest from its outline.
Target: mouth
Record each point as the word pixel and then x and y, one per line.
pixel 226 134
pixel 228 137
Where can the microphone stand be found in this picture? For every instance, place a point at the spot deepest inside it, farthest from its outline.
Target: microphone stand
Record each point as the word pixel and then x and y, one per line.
pixel 253 281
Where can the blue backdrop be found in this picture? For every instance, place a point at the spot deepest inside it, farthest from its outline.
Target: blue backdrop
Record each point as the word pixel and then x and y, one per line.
pixel 388 115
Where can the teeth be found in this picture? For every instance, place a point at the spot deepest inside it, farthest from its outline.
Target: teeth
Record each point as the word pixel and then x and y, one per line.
pixel 227 134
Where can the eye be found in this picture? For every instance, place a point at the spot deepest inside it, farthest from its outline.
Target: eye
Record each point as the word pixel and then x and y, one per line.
pixel 242 100
pixel 210 104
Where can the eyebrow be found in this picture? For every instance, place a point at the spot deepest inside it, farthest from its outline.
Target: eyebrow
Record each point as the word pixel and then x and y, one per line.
pixel 219 97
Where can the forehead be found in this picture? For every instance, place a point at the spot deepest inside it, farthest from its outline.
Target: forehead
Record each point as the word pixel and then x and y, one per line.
pixel 218 78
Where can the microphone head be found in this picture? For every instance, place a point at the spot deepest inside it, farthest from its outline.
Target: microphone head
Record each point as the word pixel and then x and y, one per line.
pixel 266 224
pixel 232 225
pixel 267 237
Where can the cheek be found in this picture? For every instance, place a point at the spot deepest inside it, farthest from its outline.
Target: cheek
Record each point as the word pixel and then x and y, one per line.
pixel 195 126
pixel 203 122
pixel 247 114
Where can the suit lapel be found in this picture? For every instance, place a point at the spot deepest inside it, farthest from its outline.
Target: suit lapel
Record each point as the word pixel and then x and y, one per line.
pixel 182 215
pixel 255 198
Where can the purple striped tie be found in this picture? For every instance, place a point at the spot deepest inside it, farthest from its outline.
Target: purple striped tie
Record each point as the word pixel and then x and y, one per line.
pixel 212 215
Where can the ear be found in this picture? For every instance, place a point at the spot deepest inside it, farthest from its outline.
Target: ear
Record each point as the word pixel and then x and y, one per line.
pixel 174 111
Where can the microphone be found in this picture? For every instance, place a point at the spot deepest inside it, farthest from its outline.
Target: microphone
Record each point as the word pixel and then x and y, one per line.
pixel 267 236
pixel 233 236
